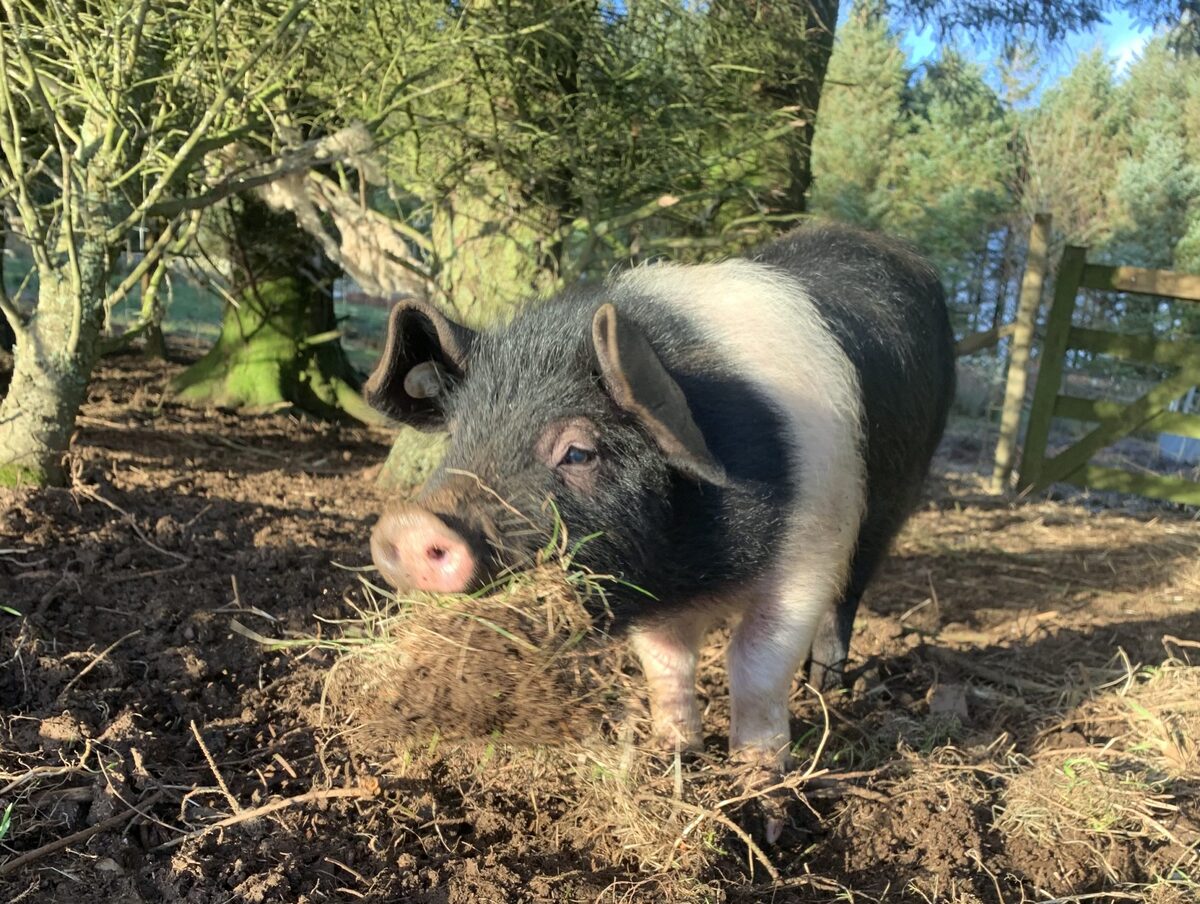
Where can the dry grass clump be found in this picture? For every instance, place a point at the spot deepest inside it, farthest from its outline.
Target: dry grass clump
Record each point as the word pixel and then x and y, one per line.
pixel 675 819
pixel 1134 779
pixel 1152 714
pixel 528 680
pixel 529 662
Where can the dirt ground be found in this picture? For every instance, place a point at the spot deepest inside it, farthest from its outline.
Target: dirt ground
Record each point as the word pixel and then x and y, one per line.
pixel 1025 723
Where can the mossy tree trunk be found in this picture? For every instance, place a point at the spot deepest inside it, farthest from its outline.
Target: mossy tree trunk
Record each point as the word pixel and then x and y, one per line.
pixel 279 345
pixel 53 359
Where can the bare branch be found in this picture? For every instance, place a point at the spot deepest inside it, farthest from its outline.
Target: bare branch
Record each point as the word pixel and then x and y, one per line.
pixel 163 244
pixel 12 315
pixel 149 259
pixel 38 169
pixel 318 152
pixel 206 120
pixel 10 144
pixel 370 247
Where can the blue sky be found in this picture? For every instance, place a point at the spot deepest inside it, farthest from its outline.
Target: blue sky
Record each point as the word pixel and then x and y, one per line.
pixel 1120 36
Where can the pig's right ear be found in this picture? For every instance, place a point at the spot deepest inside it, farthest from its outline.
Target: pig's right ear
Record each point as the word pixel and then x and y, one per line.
pixel 423 354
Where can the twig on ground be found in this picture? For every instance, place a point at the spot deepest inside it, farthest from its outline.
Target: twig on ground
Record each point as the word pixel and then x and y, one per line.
pixel 834 789
pixel 17 862
pixel 90 493
pixel 825 732
pixel 989 674
pixel 45 772
pixel 1180 642
pixel 95 662
pixel 718 816
pixel 212 765
pixel 358 791
pixel 142 575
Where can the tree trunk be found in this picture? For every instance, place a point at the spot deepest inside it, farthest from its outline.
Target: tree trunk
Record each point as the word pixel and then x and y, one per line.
pixel 804 30
pixel 278 346
pixel 489 259
pixel 154 344
pixel 412 458
pixel 51 370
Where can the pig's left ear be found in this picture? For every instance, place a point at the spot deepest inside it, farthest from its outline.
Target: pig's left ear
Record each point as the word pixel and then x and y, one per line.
pixel 637 381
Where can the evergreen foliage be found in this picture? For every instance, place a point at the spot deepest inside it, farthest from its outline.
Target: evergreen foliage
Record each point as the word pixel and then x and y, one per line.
pixel 958 158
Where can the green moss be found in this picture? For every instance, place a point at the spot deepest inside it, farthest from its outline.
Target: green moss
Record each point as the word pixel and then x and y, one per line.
pixel 412 458
pixel 265 358
pixel 14 475
pixel 278 345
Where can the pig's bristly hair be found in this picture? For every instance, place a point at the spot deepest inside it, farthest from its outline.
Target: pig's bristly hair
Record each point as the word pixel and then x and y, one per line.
pixel 815 372
pixel 761 427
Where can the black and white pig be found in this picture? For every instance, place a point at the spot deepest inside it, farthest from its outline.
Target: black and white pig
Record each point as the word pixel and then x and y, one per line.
pixel 742 438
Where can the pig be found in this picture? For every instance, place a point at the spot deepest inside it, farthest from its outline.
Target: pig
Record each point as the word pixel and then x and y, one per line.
pixel 736 440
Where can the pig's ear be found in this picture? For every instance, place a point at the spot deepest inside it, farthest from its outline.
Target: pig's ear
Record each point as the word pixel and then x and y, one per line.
pixel 637 381
pixel 423 353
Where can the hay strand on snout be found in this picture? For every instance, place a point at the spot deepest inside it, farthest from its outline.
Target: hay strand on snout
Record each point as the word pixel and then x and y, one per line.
pixel 530 663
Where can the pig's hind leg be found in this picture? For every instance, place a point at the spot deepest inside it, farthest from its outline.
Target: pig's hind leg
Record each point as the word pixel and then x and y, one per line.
pixel 831 646
pixel 668 650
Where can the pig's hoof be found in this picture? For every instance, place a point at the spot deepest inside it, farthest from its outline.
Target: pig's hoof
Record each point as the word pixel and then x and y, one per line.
pixel 826 678
pixel 770 820
pixel 667 747
pixel 828 656
pixel 765 814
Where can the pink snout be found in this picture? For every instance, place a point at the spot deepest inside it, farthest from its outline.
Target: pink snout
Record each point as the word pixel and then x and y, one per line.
pixel 414 549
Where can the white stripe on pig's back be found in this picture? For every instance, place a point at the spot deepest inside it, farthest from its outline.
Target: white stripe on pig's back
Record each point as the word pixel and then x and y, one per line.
pixel 764 323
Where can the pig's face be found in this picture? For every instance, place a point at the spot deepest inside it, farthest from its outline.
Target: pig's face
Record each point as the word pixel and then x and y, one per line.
pixel 565 419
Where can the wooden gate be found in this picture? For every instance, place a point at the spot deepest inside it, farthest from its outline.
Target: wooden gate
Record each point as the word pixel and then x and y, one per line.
pixel 1113 419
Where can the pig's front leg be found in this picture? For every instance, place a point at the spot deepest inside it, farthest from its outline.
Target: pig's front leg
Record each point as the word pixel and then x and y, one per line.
pixel 768 647
pixel 668 650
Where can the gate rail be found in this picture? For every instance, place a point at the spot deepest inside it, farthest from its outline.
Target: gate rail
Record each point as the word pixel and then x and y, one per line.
pixel 1113 419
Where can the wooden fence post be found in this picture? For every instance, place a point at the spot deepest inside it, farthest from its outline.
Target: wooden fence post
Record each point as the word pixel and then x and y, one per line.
pixel 1050 370
pixel 1030 300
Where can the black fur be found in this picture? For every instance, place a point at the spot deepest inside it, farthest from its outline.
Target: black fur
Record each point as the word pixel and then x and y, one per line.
pixel 667 534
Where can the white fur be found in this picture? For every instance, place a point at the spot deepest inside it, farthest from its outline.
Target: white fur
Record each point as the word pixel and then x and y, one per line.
pixel 767 327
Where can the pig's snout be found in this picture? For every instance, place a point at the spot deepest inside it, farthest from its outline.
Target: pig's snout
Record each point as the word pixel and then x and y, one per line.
pixel 414 549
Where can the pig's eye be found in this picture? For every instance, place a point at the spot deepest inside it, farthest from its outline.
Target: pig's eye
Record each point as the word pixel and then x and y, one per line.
pixel 576 456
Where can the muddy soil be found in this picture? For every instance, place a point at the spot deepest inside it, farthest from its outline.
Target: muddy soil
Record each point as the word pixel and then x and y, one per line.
pixel 183 761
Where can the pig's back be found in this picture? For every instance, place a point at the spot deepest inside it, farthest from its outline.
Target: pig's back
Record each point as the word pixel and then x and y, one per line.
pixel 846 337
pixel 765 331
pixel 886 308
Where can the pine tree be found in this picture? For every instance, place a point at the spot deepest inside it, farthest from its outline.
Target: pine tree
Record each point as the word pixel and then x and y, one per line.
pixel 953 171
pixel 1075 141
pixel 861 119
pixel 1156 189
